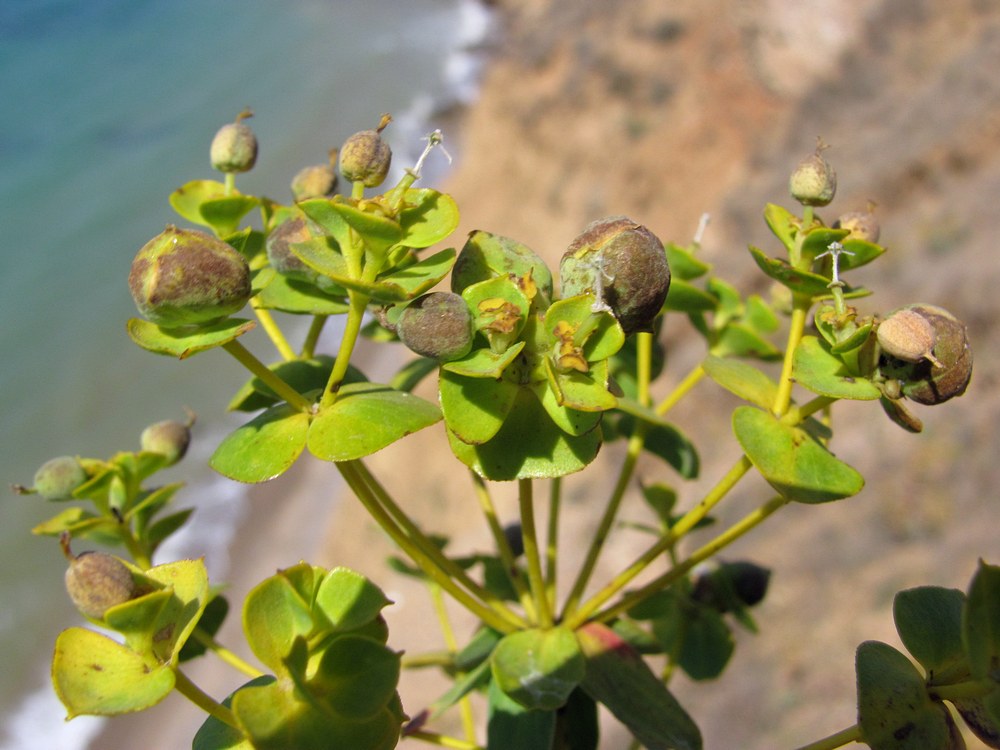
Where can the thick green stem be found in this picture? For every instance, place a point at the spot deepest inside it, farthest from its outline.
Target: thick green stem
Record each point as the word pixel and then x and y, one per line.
pixel 272 381
pixel 750 521
pixel 967 689
pixel 552 540
pixel 424 553
pixel 800 310
pixel 835 740
pixel 525 497
pixel 203 700
pixel 682 389
pixel 352 328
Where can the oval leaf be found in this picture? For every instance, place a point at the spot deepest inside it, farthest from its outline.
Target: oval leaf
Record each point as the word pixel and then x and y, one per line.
pixel 538 668
pixel 742 379
pixel 429 217
pixel 826 374
pixel 791 460
pixel 188 341
pixel 365 418
pixel 348 599
pixel 93 674
pixel 263 448
pixel 929 622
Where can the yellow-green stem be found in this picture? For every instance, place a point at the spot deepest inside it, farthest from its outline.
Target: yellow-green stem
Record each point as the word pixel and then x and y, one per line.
pixel 273 332
pixel 224 653
pixel 203 700
pixel 525 498
pixel 444 622
pixel 424 552
pixel 685 524
pixel 967 689
pixel 443 740
pixel 690 381
pixel 352 327
pixel 800 310
pixel 634 449
pixel 272 381
pixel 503 547
pixel 730 535
pixel 552 540
pixel 835 740
pixel 312 336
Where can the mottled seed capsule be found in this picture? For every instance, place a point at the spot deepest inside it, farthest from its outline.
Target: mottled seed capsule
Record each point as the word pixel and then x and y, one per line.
pixel 437 325
pixel 365 157
pixel 97 581
pixel 186 277
pixel 907 335
pixel 862 224
pixel 168 438
pixel 623 265
pixel 732 585
pixel 944 372
pixel 813 183
pixel 317 181
pixel 234 147
pixel 58 477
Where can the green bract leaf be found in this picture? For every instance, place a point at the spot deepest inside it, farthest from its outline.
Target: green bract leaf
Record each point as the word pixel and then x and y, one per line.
pixel 826 374
pixel 348 600
pixel 685 297
pixel 741 378
pixel 275 613
pixel 412 281
pixel 188 341
pixel 791 460
pixel 801 282
pixel 356 677
pixel 697 637
pixel 322 211
pixel 684 266
pixel 618 677
pixel 299 298
pixel 75 520
pixel 378 232
pixel 365 418
pixel 894 710
pixel 538 668
pixel 208 203
pixel 483 363
pixel 510 725
pixel 499 311
pixel 604 337
pixel 858 253
pixel 662 439
pixel 209 623
pixel 475 408
pixel 929 622
pixel 214 734
pixel 783 223
pixel 981 622
pixel 528 445
pixel 225 214
pixel 819 239
pixel 263 448
pixel 983 717
pixel 737 339
pixel 428 218
pixel 304 375
pixel 93 674
pixel 486 256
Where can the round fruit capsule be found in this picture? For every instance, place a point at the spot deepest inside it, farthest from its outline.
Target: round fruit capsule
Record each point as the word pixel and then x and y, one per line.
pixel 58 477
pixel 623 265
pixel 813 183
pixel 234 147
pixel 168 438
pixel 437 325
pixel 186 277
pixel 97 581
pixel 365 157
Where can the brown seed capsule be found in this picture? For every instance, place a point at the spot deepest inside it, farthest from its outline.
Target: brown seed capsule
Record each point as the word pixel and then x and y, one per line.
pixel 813 183
pixel 942 375
pixel 907 335
pixel 234 147
pixel 624 265
pixel 97 581
pixel 317 181
pixel 862 224
pixel 58 477
pixel 186 277
pixel 365 157
pixel 437 325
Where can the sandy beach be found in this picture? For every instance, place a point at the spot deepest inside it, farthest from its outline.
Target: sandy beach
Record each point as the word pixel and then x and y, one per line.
pixel 663 112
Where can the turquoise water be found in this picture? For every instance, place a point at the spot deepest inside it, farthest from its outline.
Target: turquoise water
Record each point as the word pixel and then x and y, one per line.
pixel 107 106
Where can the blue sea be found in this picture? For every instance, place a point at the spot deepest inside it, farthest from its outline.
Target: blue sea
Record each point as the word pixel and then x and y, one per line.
pixel 108 106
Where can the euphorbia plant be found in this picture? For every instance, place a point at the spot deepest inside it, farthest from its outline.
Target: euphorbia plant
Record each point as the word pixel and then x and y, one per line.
pixel 534 373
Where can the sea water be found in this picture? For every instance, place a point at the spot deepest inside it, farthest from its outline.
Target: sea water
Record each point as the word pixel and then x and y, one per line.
pixel 106 106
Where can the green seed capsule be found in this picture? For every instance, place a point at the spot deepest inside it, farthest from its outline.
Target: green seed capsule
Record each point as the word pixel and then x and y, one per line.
pixel 365 157
pixel 813 183
pixel 437 325
pixel 58 477
pixel 234 147
pixel 168 438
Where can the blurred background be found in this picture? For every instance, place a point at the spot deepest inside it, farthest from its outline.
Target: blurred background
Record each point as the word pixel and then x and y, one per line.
pixel 658 110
